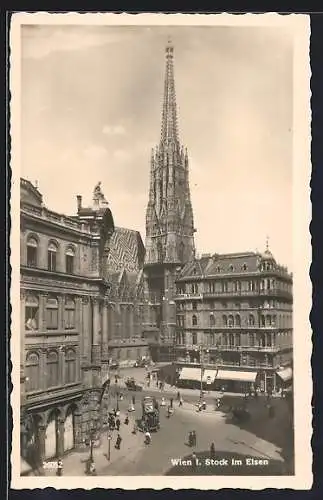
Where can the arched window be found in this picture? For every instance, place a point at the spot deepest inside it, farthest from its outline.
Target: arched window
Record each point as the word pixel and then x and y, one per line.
pixel 238 339
pixel 225 320
pixel 230 321
pixel 231 339
pixel 69 313
pixel 238 320
pixel 225 339
pixel 69 260
pixel 52 254
pixel 52 313
pixel 251 340
pixel 262 321
pixel 70 366
pixel 31 312
pixel 32 252
pixel 268 320
pixel 52 369
pixel 269 340
pixel 251 320
pixel 212 320
pixel 194 320
pixel 32 371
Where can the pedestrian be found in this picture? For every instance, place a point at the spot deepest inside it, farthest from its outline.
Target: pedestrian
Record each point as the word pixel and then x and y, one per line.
pixel 134 430
pixel 126 420
pixel 133 400
pixel 118 423
pixel 194 460
pixel 194 438
pixel 157 383
pixel 59 467
pixel 180 402
pixel 212 451
pixel 171 402
pixel 118 442
pixel 160 385
pixel 147 437
pixel 92 469
pixel 190 439
pixel 204 405
pixel 163 402
pixel 178 396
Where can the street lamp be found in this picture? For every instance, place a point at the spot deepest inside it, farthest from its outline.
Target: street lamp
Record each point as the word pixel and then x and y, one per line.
pixel 109 445
pixel 201 350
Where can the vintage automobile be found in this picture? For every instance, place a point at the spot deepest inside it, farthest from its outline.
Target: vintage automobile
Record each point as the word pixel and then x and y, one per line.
pixel 150 414
pixel 132 385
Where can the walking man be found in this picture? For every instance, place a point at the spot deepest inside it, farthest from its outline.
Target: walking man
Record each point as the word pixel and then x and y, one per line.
pixel 118 442
pixel 118 423
pixel 212 451
pixel 194 438
pixel 59 467
pixel 171 402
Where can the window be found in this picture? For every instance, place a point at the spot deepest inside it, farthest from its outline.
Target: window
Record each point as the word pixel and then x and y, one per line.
pixel 32 248
pixel 212 339
pixel 238 339
pixel 251 320
pixel 231 340
pixel 251 340
pixel 224 339
pixel 32 371
pixel 31 312
pixel 70 366
pixel 52 313
pixel 52 251
pixel 230 321
pixel 69 313
pixel 194 321
pixel 262 321
pixel 212 320
pixel 194 338
pixel 238 320
pixel 69 260
pixel 194 306
pixel 52 369
pixel 225 321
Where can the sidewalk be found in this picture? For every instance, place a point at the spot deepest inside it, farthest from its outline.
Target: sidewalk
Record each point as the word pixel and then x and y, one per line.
pixel 74 463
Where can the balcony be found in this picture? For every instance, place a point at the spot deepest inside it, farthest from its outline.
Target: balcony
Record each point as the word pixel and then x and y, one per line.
pixel 189 296
pixel 274 292
pixel 225 364
pixel 265 349
pixel 127 342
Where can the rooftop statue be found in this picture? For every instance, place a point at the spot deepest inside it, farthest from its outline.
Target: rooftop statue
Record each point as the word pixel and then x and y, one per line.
pixel 98 195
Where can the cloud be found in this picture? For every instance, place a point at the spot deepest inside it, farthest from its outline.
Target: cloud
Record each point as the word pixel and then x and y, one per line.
pixel 113 130
pixel 41 41
pixel 121 155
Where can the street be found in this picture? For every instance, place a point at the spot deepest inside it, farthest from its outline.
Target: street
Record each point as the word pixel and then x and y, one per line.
pixel 169 444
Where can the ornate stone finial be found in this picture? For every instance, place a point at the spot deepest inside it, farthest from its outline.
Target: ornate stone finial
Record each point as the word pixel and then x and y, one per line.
pixel 267 243
pixel 98 196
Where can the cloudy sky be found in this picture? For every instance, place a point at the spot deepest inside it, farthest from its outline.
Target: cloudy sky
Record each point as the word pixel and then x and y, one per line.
pixel 91 110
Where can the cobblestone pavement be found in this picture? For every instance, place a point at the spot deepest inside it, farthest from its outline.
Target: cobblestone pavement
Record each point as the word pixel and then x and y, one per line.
pixel 169 443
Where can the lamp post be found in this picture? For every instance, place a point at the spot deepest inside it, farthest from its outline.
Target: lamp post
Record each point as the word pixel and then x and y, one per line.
pixel 109 445
pixel 201 351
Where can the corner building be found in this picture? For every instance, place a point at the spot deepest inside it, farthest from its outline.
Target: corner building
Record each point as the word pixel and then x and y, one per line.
pixel 234 322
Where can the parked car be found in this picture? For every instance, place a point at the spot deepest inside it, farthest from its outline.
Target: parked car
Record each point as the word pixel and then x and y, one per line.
pixel 132 385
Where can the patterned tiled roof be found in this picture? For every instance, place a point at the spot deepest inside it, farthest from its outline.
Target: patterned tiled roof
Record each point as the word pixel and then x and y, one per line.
pixel 127 250
pixel 223 264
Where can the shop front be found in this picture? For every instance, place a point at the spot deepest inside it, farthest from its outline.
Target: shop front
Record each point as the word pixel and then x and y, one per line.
pixel 235 381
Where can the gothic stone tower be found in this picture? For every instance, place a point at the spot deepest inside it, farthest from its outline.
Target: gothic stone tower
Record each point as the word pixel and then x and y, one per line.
pixel 169 216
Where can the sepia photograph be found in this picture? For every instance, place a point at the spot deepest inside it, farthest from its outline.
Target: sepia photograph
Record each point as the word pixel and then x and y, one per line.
pixel 160 165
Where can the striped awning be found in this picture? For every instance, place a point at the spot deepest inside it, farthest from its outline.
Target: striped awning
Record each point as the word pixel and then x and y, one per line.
pixel 285 374
pixel 236 375
pixel 190 374
pixel 209 376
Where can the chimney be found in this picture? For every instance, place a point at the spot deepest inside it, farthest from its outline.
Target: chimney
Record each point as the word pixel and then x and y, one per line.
pixel 79 202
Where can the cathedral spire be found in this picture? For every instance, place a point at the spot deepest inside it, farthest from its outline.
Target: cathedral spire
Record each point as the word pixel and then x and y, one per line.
pixel 169 132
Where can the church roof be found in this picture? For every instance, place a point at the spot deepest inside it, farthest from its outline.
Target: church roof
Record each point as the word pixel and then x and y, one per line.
pixel 127 250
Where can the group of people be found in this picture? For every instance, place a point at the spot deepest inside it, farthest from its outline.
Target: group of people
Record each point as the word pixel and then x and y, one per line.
pixel 192 439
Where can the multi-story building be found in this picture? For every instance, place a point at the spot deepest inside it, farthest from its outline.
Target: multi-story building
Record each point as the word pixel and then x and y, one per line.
pixel 234 321
pixel 64 336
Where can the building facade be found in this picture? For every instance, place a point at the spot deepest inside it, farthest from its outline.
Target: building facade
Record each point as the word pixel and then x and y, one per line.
pixel 234 320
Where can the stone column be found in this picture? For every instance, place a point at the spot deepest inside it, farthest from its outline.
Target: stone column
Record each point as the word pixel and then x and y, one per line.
pixel 96 348
pixel 22 338
pixel 61 325
pixel 42 312
pixel 85 331
pixel 105 335
pixel 60 437
pixel 43 368
pixel 61 367
pixel 41 443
